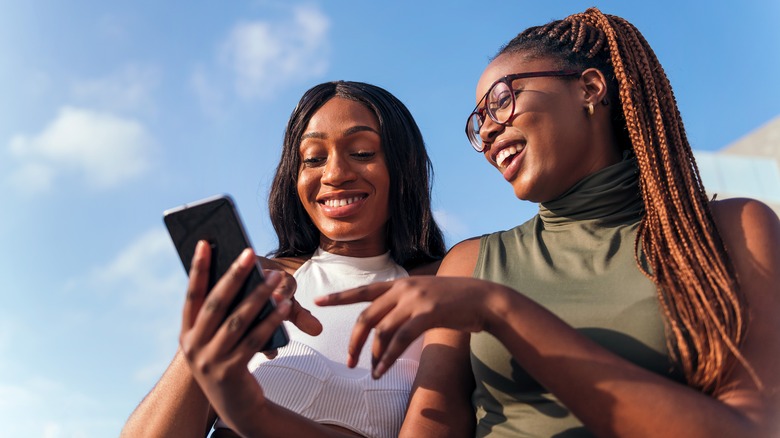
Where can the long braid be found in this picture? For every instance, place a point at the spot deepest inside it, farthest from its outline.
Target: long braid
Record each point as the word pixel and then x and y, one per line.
pixel 697 286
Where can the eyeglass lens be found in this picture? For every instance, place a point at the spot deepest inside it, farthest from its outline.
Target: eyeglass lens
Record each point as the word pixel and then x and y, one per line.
pixel 500 102
pixel 499 106
pixel 472 131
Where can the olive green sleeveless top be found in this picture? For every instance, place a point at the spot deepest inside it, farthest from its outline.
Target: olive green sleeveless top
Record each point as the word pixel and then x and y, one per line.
pixel 577 259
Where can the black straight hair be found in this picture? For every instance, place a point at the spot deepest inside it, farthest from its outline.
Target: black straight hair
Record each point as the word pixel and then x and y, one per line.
pixel 413 237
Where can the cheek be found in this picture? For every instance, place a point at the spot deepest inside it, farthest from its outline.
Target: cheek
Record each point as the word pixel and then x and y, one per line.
pixel 487 158
pixel 306 184
pixel 378 176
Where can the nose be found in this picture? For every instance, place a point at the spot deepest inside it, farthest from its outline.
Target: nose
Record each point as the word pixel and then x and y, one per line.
pixel 489 132
pixel 337 170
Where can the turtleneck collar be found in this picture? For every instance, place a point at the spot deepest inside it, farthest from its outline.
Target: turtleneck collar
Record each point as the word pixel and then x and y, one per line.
pixel 610 196
pixel 347 264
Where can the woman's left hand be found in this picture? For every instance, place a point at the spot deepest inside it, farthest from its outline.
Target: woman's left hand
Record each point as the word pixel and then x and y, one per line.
pixel 403 309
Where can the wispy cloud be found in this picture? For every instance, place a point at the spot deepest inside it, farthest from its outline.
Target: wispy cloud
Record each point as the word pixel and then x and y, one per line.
pixel 104 149
pixel 135 302
pixel 149 284
pixel 266 55
pixel 8 328
pixel 47 408
pixel 147 273
pixel 261 57
pixel 130 89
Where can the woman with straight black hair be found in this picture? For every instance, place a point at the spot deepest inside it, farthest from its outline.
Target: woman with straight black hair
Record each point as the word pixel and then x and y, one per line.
pixel 350 203
pixel 413 237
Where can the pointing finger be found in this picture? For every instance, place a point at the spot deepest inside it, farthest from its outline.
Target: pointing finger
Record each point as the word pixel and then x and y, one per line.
pixel 358 295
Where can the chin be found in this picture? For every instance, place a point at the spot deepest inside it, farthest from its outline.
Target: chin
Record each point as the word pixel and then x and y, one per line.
pixel 522 193
pixel 344 236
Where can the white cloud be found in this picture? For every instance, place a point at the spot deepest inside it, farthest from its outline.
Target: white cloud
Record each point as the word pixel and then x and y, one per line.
pixel 129 89
pixel 33 177
pixel 48 408
pixel 148 273
pixel 9 328
pixel 105 149
pixel 264 56
pixel 150 283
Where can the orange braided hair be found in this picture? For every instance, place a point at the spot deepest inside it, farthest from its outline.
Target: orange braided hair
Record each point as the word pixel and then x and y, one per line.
pixel 705 310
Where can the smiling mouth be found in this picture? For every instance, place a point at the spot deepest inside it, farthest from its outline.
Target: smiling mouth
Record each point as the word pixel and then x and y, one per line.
pixel 342 202
pixel 503 155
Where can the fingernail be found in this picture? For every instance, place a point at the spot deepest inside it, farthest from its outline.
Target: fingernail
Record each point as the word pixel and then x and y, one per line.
pixel 247 257
pixel 273 278
pixel 284 306
pixel 200 247
pixel 379 370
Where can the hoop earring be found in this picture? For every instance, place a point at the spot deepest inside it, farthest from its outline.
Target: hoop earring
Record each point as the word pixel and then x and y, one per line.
pixel 590 109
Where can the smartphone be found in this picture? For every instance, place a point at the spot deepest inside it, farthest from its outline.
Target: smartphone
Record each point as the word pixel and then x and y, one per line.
pixel 215 219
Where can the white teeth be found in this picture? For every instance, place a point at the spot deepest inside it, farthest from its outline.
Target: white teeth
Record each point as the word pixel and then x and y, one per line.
pixel 504 154
pixel 340 202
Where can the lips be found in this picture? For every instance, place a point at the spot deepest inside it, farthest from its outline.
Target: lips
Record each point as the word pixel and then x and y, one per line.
pixel 341 205
pixel 502 155
pixel 342 202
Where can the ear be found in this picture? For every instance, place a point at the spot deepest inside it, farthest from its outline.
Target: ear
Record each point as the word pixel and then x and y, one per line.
pixel 594 86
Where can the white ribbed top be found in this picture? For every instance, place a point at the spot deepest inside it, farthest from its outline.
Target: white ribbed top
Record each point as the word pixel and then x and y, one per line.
pixel 309 376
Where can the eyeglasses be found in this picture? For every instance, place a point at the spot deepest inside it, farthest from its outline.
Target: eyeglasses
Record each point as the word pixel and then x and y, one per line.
pixel 500 103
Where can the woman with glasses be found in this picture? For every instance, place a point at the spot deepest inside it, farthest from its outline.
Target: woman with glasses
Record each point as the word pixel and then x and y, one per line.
pixel 350 203
pixel 630 305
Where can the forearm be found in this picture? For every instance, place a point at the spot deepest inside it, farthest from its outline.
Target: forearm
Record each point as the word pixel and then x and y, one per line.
pixel 611 396
pixel 175 406
pixel 440 402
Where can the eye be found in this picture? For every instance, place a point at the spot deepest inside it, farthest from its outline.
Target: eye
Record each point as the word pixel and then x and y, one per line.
pixel 363 156
pixel 312 161
pixel 501 100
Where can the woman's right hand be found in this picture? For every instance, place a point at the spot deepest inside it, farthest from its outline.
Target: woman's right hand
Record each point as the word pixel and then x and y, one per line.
pixel 402 310
pixel 218 345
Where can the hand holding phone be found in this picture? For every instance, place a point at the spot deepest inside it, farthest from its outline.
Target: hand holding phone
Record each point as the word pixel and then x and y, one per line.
pixel 216 220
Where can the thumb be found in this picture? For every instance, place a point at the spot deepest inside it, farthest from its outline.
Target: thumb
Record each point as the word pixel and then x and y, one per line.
pixel 302 317
pixel 304 320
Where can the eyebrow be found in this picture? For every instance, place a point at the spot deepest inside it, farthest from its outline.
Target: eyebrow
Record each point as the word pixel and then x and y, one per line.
pixel 348 132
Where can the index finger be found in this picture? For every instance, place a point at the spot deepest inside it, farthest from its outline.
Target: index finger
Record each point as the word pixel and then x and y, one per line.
pixel 360 294
pixel 197 285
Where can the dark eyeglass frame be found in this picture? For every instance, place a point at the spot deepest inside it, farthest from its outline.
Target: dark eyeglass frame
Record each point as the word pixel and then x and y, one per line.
pixel 473 136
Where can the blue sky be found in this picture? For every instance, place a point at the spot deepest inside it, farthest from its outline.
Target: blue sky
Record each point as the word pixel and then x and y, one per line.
pixel 111 112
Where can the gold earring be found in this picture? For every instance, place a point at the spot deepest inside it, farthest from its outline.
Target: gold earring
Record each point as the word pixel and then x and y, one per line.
pixel 590 109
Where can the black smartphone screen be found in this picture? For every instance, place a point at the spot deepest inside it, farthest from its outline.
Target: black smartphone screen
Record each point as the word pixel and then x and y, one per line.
pixel 217 221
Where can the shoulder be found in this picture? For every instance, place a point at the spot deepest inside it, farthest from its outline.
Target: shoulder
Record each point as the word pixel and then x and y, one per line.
pixel 750 231
pixel 461 259
pixel 426 269
pixel 465 247
pixel 287 264
pixel 745 223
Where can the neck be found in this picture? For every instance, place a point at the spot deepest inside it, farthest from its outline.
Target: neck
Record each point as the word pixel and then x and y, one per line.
pixel 359 248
